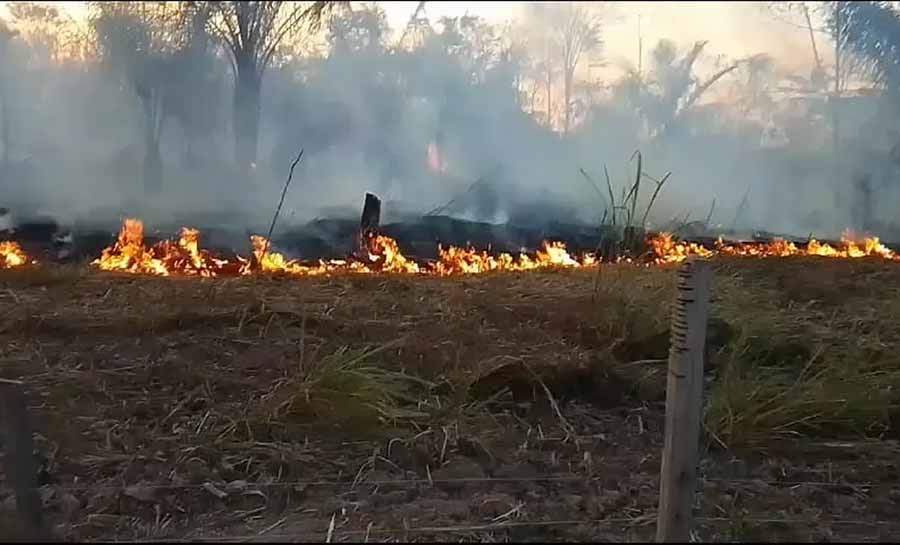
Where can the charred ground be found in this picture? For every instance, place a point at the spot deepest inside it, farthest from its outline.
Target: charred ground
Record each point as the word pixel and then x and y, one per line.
pixel 160 404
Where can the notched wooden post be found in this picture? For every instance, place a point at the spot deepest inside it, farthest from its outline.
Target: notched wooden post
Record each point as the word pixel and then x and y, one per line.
pixel 684 401
pixel 19 463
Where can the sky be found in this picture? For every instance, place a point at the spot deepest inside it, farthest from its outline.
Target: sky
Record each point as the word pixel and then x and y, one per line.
pixel 734 29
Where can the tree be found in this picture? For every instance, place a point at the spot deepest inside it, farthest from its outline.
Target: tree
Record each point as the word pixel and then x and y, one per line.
pixel 577 33
pixel 665 95
pixel 40 26
pixel 787 12
pixel 138 42
pixel 252 33
pixel 838 18
pixel 870 31
pixel 561 35
pixel 193 92
pixel 361 31
pixel 6 78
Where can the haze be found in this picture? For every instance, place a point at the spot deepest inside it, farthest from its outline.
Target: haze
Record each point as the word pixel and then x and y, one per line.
pixel 745 132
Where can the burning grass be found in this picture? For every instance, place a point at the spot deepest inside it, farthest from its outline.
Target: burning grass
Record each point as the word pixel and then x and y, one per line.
pixel 383 255
pixel 184 257
pixel 667 250
pixel 228 392
pixel 12 255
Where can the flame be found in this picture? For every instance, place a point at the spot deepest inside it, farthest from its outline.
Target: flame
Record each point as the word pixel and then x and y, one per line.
pixel 455 260
pixel 382 254
pixel 666 250
pixel 129 254
pixel 12 255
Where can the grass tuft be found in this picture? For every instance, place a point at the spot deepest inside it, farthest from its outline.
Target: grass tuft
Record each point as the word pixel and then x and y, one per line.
pixel 755 401
pixel 344 388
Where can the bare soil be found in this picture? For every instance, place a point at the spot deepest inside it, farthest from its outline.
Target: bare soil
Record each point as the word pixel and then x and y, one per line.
pixel 529 406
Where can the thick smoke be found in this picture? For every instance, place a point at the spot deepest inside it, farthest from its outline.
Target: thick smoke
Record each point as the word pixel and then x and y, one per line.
pixel 367 112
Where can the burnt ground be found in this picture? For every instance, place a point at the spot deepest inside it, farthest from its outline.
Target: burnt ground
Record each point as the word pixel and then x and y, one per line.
pixel 399 408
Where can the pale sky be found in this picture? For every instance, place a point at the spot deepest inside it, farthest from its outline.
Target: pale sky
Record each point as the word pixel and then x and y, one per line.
pixel 735 29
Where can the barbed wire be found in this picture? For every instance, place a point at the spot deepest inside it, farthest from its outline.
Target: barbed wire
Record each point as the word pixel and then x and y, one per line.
pixel 490 527
pixel 243 485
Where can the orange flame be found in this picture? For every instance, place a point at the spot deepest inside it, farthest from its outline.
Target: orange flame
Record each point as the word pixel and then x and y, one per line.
pixel 666 250
pixel 12 255
pixel 129 254
pixel 383 255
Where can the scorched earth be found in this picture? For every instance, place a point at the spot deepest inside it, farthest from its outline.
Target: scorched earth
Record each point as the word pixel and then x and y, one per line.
pixel 399 407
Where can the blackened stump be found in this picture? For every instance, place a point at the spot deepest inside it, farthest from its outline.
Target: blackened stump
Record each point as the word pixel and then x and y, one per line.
pixel 370 221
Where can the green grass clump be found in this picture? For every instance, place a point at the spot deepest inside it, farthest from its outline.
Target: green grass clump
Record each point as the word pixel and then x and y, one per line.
pixel 344 388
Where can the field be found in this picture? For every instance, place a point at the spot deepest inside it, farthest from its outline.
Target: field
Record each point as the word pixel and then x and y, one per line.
pixel 515 406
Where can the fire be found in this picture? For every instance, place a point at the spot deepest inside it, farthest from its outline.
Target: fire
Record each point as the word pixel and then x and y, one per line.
pixel 383 255
pixel 455 260
pixel 129 254
pixel 12 255
pixel 666 250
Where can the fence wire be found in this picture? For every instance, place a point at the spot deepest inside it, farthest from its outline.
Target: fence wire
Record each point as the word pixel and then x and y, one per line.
pixel 370 532
pixel 243 485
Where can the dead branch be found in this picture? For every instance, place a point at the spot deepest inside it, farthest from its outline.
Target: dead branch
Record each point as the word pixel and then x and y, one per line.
pixel 280 204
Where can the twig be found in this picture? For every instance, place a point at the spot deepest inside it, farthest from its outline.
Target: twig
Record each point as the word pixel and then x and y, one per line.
pixel 659 185
pixel 593 185
pixel 740 208
pixel 330 533
pixel 711 209
pixel 564 424
pixel 612 199
pixel 280 203
pixel 443 207
pixel 635 190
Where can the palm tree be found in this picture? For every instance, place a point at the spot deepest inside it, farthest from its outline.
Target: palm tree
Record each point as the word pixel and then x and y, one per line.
pixel 671 89
pixel 252 33
pixel 870 32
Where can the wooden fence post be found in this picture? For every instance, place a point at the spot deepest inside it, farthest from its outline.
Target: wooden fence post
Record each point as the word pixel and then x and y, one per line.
pixel 684 401
pixel 20 466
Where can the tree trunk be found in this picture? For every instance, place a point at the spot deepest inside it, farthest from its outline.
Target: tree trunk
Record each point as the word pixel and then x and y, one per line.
pixel 5 128
pixel 567 96
pixel 153 121
pixel 549 104
pixel 153 169
pixel 836 142
pixel 246 116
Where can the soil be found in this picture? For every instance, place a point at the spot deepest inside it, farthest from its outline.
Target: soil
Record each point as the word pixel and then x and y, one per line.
pixel 160 413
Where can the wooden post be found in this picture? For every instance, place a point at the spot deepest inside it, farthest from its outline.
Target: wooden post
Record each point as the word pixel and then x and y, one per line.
pixel 20 466
pixel 371 214
pixel 684 395
pixel 369 222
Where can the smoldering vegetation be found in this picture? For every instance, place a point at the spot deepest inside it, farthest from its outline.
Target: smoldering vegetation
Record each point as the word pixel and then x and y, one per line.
pixel 190 113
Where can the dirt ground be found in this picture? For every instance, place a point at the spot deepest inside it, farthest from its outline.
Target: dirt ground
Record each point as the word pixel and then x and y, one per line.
pixel 512 407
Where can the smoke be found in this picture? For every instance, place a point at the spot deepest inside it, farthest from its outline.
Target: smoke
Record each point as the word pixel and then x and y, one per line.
pixel 366 113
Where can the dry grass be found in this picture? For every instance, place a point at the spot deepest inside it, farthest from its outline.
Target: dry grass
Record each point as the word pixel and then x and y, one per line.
pixel 204 386
pixel 813 360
